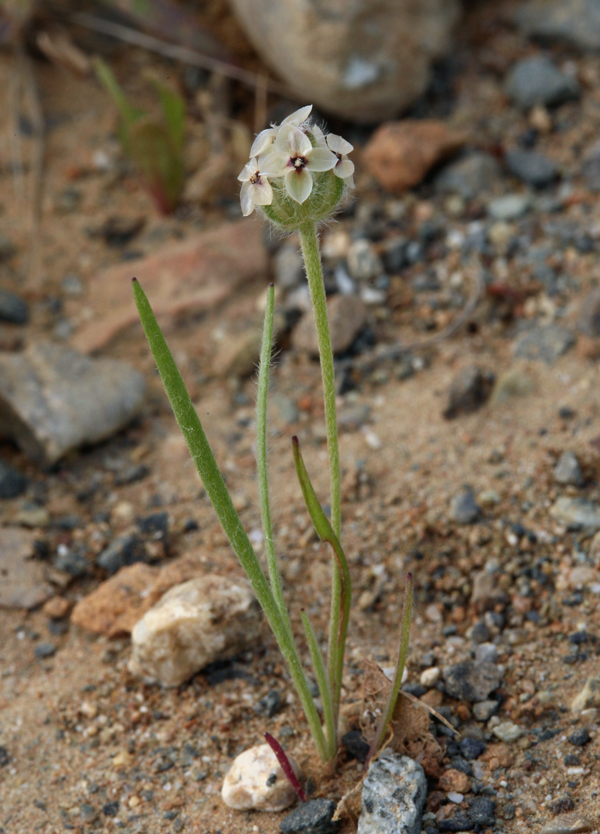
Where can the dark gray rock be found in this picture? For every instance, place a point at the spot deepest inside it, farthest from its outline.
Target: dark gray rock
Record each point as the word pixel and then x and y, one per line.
pixel 12 482
pixel 472 682
pixel 472 748
pixel 53 399
pixel 576 513
pixel 312 817
pixel 72 561
pixel 537 80
pixel 12 308
pixel 393 796
pixel 123 551
pixel 269 705
pixel 460 821
pixel 576 23
pixel 568 470
pixel 464 509
pixel 530 167
pixel 547 342
pixel 483 811
pixel 469 390
pixel 43 650
pixel 470 177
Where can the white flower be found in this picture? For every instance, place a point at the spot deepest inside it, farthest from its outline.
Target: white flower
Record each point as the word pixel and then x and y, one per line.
pixel 293 157
pixel 256 188
pixel 344 167
pixel 267 137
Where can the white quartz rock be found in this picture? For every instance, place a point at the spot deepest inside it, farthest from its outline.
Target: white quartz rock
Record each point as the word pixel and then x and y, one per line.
pixel 257 782
pixel 195 623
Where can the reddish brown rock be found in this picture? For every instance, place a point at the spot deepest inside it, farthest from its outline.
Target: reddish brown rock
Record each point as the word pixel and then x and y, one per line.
pixel 116 605
pixel 179 279
pixel 400 154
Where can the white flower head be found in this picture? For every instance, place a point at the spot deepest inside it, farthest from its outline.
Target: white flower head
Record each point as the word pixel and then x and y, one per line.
pixel 256 188
pixel 266 137
pixel 344 167
pixel 293 157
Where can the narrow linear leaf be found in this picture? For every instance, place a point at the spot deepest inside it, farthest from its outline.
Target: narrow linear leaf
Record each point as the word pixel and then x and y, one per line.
pixel 286 766
pixel 322 682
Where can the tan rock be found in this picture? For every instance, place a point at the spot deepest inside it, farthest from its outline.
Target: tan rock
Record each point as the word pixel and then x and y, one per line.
pixel 588 697
pixel 116 605
pixel 195 623
pixel 23 582
pixel 400 154
pixel 256 782
pixel 347 317
pixel 454 780
pixel 56 608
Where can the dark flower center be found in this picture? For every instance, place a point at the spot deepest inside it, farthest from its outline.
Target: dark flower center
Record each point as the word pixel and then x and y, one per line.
pixel 298 162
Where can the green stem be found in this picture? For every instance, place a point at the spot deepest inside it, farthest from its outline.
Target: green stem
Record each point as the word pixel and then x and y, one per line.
pixel 312 260
pixel 216 489
pixel 322 682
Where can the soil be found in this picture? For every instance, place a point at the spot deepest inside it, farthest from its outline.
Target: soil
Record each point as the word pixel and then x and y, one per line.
pixel 87 747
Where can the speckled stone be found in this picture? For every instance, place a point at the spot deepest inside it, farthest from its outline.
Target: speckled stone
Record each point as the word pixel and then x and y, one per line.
pixel 256 782
pixel 393 796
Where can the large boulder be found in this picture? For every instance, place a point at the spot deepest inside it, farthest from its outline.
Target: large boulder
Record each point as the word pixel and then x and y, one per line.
pixel 363 60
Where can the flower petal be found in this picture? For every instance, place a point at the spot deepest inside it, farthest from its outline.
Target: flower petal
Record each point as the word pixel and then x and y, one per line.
pixel 344 168
pixel 246 200
pixel 262 193
pixel 248 171
pixel 262 141
pixel 292 141
pixel 339 145
pixel 318 134
pixel 320 159
pixel 298 184
pixel 274 164
pixel 298 116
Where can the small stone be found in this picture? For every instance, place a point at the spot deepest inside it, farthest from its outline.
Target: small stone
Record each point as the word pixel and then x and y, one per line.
pixel 537 80
pixel 53 400
pixel 576 513
pixel 393 796
pixel 23 582
pixel 43 650
pixel 530 167
pixel 459 822
pixel 470 177
pixel 568 824
pixel 588 697
pixel 511 385
pixel 472 682
pixel 312 817
pixel 269 705
pixel 472 748
pixel 484 710
pixel 12 308
pixel 400 154
pixel 487 594
pixel 123 551
pixel 577 26
pixel 111 809
pixel 256 782
pixel 469 390
pixel 568 470
pixel 195 623
pixel 355 745
pixel 483 811
pixel 364 264
pixel 486 652
pixel 580 737
pixel 56 608
pixel 509 207
pixel 507 732
pixel 464 509
pixel 429 677
pixel 347 317
pixel 454 781
pixel 589 314
pixel 12 482
pixel 288 267
pixel 546 342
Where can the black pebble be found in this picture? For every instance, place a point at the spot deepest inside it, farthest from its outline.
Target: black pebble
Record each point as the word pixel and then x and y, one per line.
pixel 12 308
pixel 312 817
pixel 270 704
pixel 471 748
pixel 4 757
pixel 459 822
pixel 356 745
pixel 43 650
pixel 483 811
pixel 12 482
pixel 111 809
pixel 579 737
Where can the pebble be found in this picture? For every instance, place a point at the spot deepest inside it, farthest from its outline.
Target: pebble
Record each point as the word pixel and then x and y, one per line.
pixel 459 822
pixel 486 653
pixel 568 824
pixel 511 385
pixel 568 471
pixel 507 732
pixel 509 207
pixel 12 482
pixel 429 677
pixel 483 811
pixel 471 748
pixel 53 400
pixel 587 697
pixel 195 623
pixel 355 745
pixel 43 650
pixel 580 737
pixel 472 682
pixel 12 308
pixel 484 710
pixel 256 782
pixel 454 781
pixel 537 80
pixel 464 508
pixel 347 317
pixel 121 552
pixel 56 608
pixel 580 28
pixel 576 513
pixel 546 342
pixel 393 796
pixel 311 817
pixel 24 583
pixel 269 705
pixel 469 390
pixel 471 176
pixel 364 264
pixel 530 167
pixel 588 320
pixel 288 267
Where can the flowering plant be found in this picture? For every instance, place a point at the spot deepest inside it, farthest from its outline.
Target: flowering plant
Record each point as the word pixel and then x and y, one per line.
pixel 297 177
